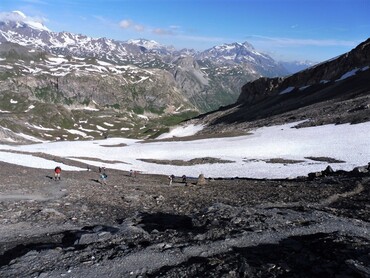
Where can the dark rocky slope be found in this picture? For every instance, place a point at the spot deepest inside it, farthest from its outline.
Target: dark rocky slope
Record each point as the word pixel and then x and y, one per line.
pixel 141 227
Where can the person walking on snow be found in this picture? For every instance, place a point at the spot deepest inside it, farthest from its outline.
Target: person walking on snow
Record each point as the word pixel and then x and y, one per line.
pixel 57 172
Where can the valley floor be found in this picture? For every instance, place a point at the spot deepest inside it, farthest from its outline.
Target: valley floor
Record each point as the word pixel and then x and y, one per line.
pixel 143 227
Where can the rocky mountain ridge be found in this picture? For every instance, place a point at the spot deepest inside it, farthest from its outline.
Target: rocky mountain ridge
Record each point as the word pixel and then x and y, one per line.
pixel 333 92
pixel 75 77
pixel 334 70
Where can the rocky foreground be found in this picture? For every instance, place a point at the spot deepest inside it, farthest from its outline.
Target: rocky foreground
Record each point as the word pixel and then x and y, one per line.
pixel 316 226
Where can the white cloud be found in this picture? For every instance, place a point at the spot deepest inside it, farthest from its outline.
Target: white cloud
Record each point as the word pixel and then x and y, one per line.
pixel 126 23
pixel 139 28
pixel 160 31
pixel 130 24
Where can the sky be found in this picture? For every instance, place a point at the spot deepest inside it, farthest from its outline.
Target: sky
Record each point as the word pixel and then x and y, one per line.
pixel 287 30
pixel 249 155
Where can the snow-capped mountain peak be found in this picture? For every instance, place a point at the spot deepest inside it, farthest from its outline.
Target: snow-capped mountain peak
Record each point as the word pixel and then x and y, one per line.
pixel 243 54
pixel 20 19
pixel 237 52
pixel 152 46
pixel 148 44
pixel 21 14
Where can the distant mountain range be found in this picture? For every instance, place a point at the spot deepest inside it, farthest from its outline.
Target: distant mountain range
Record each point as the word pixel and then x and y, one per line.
pixel 296 66
pixel 136 80
pixel 333 92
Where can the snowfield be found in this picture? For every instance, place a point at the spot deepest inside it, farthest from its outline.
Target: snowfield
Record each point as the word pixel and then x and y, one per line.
pixel 249 155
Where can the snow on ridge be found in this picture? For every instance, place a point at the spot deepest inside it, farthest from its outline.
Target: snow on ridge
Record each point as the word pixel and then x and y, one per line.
pixel 101 128
pixel 87 108
pixel 287 90
pixel 348 74
pixel 142 78
pixel 102 63
pixel 352 73
pixel 30 108
pixel 57 60
pixel 108 124
pixel 37 25
pixel 20 17
pixel 30 138
pixel 76 132
pixel 40 127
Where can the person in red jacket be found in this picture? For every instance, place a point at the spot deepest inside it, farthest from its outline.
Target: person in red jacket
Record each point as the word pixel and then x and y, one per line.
pixel 57 172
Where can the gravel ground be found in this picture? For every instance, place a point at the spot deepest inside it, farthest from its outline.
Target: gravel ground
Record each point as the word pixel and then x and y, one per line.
pixel 142 227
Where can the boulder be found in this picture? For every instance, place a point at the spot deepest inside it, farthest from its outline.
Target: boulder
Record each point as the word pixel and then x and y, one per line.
pixel 328 171
pixel 201 180
pixel 314 175
pixel 360 170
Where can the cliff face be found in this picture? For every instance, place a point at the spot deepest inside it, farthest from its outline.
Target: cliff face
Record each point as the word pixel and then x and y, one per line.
pixel 324 73
pixel 259 90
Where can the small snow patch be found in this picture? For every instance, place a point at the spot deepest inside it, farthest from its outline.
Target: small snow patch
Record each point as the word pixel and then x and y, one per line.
pixel 348 74
pixel 143 117
pixel 29 108
pixel 76 132
pixel 182 131
pixel 101 128
pixel 287 90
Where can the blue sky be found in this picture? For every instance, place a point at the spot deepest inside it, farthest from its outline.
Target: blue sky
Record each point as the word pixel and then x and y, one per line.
pixel 287 30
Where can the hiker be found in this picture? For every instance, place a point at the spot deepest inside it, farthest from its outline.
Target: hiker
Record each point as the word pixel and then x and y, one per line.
pixel 183 178
pixel 57 172
pixel 170 179
pixel 133 173
pixel 103 178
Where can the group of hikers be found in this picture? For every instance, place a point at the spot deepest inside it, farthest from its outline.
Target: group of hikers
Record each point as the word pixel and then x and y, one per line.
pixel 172 177
pixel 102 174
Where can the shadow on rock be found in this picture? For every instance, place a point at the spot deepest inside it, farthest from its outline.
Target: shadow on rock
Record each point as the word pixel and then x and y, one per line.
pixel 164 221
pixel 316 255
